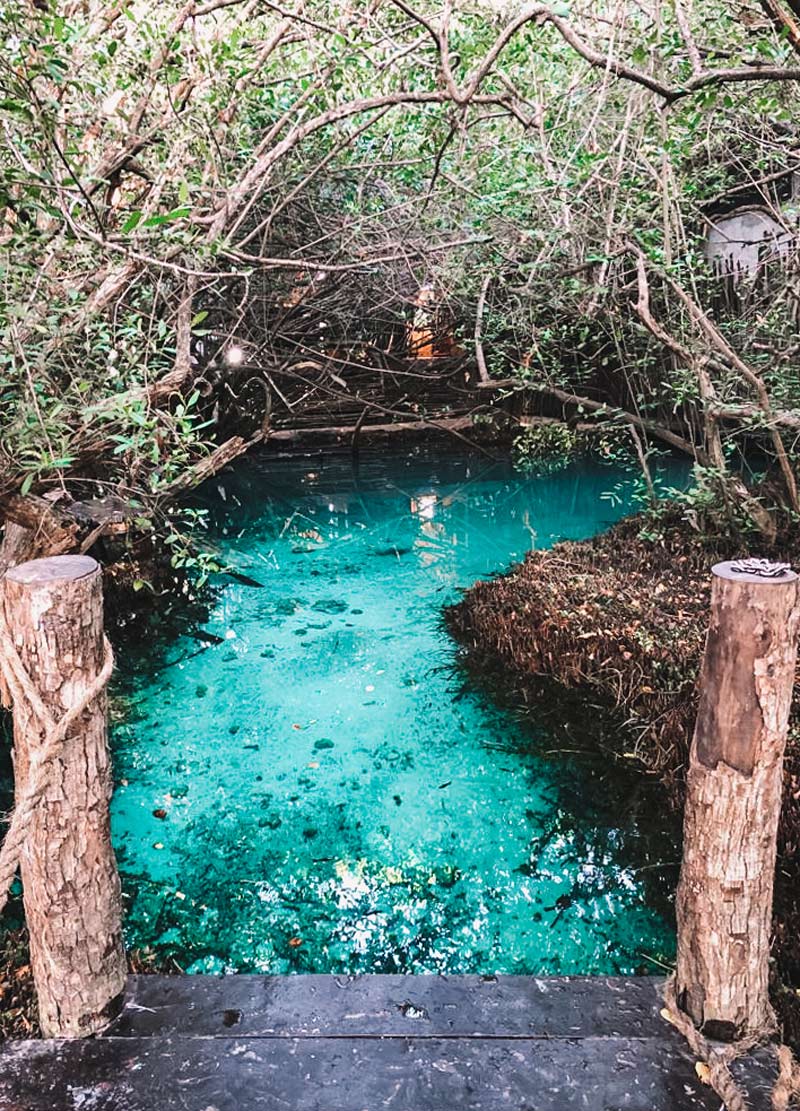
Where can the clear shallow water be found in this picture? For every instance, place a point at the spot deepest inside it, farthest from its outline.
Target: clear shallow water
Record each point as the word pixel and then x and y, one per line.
pixel 324 790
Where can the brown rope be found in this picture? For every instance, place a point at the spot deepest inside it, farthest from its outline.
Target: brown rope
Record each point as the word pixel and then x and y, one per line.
pixel 21 689
pixel 788 1083
pixel 718 1058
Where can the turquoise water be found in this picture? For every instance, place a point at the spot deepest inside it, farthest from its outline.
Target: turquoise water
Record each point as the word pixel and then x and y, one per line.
pixel 325 790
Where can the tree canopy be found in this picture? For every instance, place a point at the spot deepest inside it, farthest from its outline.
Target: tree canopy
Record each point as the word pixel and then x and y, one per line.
pixel 202 203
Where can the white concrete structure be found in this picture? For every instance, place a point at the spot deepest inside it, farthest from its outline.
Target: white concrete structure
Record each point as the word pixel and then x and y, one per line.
pixel 742 240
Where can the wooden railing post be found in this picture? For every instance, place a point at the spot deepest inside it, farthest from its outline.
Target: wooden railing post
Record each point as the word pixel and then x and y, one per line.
pixel 734 788
pixel 53 611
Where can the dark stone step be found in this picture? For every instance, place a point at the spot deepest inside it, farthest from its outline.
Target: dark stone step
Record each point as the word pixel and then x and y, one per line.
pixel 350 1074
pixel 392 1006
pixel 406 1043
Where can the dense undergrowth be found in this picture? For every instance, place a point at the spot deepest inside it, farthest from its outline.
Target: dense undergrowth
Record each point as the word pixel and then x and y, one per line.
pixel 214 213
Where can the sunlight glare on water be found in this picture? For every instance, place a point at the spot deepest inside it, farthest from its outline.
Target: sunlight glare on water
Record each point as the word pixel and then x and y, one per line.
pixel 324 789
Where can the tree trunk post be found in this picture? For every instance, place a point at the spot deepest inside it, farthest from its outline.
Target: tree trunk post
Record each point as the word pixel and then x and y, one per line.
pixel 733 800
pixel 54 614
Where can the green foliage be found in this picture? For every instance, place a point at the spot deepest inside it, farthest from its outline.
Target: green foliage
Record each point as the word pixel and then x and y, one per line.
pixel 545 448
pixel 252 157
pixel 183 536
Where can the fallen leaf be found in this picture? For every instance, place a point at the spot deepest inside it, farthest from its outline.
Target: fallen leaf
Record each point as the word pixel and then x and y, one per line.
pixel 703 1071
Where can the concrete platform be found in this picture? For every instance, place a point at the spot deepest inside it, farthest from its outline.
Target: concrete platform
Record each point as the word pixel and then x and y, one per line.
pixel 407 1043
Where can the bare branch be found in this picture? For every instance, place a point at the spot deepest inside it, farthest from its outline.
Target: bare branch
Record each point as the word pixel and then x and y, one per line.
pixel 782 22
pixel 480 357
pixel 688 38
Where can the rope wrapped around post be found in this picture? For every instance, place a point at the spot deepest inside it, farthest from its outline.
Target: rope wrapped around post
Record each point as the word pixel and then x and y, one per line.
pixel 719 997
pixel 54 663
pixel 718 1058
pixel 21 689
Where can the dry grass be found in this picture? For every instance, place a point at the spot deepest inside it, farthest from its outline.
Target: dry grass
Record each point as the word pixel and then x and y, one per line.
pixel 17 1000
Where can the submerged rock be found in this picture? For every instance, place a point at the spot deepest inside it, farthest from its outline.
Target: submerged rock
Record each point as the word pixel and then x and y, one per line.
pixel 330 605
pixel 211 966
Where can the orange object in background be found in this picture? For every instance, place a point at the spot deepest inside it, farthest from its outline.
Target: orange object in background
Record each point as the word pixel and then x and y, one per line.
pixel 421 334
pixel 425 341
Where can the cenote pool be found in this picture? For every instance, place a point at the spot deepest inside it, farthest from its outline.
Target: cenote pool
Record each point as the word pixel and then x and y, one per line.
pixel 326 790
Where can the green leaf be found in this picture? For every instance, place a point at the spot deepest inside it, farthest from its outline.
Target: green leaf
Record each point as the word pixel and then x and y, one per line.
pixel 9 105
pixel 167 217
pixel 27 484
pixel 131 222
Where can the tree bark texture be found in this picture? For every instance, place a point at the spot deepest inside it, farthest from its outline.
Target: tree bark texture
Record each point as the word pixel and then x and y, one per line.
pixel 54 613
pixel 32 527
pixel 17 545
pixel 734 790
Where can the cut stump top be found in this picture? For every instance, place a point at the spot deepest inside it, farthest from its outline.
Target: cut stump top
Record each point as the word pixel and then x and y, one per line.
pixel 726 571
pixel 53 569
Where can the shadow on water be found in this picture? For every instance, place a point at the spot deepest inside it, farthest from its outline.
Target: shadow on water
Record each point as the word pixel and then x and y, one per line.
pixel 604 796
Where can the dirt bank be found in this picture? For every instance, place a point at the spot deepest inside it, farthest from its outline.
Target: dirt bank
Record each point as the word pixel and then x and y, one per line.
pixel 624 616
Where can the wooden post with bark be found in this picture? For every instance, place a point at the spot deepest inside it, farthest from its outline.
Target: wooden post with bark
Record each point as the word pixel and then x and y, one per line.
pixel 53 611
pixel 733 802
